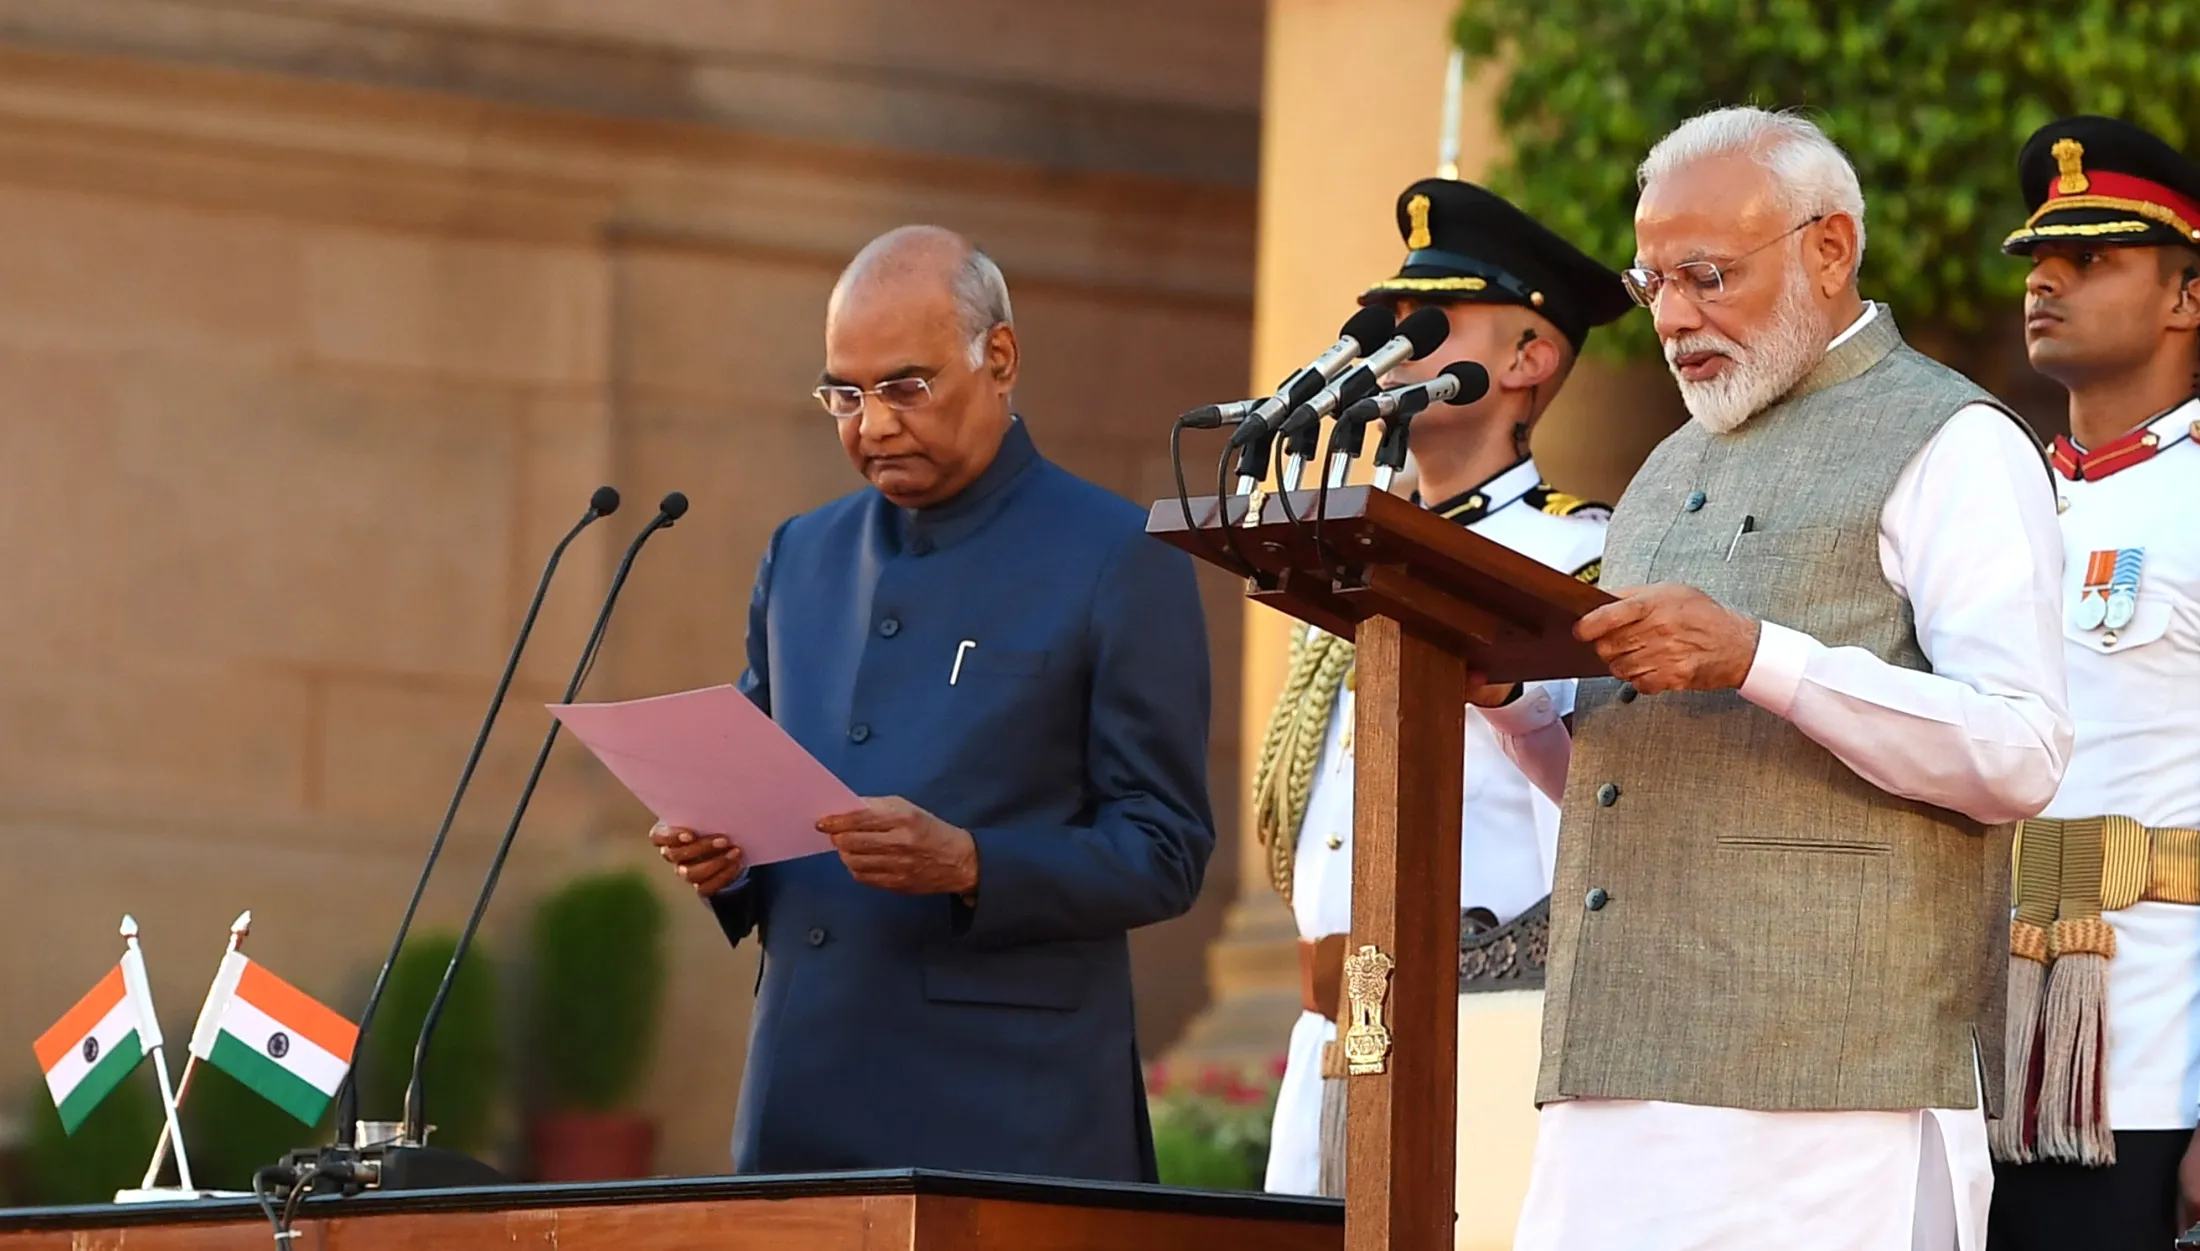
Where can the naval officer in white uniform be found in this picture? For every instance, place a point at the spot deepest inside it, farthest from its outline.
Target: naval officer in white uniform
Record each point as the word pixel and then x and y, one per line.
pixel 1521 300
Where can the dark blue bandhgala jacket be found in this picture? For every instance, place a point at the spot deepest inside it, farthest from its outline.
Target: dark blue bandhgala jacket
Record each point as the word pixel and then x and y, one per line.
pixel 898 1031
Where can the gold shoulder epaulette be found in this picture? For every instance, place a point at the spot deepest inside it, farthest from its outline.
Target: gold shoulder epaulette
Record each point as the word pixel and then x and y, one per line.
pixel 1560 504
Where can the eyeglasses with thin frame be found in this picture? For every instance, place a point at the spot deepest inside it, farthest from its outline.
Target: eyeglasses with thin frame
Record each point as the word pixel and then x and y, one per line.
pixel 845 401
pixel 1700 281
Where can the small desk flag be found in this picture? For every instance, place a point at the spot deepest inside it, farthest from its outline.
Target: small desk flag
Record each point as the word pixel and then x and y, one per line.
pixel 273 1037
pixel 91 1049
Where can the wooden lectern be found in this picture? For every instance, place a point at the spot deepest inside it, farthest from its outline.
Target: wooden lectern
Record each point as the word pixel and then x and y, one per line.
pixel 902 1210
pixel 1426 601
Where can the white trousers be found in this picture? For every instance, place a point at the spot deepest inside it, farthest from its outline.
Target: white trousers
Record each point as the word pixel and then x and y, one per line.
pixel 1676 1177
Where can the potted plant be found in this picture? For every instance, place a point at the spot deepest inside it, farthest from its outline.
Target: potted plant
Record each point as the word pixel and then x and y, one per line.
pixel 464 1077
pixel 599 979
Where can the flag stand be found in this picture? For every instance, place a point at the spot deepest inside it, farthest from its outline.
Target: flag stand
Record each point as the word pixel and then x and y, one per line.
pixel 141 995
pixel 147 1191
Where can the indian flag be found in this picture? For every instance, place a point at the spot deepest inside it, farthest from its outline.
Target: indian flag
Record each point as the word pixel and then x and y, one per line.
pixel 273 1037
pixel 91 1049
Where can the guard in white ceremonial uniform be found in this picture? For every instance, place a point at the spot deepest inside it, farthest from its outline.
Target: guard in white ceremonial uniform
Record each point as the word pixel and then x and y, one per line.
pixel 2104 1041
pixel 1521 300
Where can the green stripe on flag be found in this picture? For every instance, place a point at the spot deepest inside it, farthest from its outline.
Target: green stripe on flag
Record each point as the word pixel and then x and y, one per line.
pixel 101 1080
pixel 276 1084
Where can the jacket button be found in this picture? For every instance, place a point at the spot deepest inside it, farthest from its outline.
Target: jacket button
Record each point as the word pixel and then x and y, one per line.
pixel 1627 692
pixel 1595 901
pixel 817 936
pixel 1695 502
pixel 1607 795
pixel 858 732
pixel 890 627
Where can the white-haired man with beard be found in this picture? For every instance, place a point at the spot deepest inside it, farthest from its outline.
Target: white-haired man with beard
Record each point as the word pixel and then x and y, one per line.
pixel 1837 678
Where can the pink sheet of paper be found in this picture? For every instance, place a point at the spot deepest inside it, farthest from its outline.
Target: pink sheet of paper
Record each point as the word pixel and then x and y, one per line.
pixel 712 762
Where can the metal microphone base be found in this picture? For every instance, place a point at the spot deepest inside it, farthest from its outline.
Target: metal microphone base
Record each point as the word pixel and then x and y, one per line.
pixel 387 1166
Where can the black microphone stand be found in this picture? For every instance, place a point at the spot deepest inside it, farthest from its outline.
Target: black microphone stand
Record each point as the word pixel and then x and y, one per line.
pixel 410 1164
pixel 337 1159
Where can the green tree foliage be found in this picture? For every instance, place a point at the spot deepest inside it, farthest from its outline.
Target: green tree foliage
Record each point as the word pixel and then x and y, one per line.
pixel 465 1078
pixel 232 1131
pixel 1931 98
pixel 599 981
pixel 108 1152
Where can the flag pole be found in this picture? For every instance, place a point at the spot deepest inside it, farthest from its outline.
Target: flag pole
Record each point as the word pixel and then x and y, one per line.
pixel 237 931
pixel 141 997
pixel 1447 143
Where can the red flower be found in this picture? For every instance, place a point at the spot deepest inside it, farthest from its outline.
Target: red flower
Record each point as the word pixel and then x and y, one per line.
pixel 1277 1066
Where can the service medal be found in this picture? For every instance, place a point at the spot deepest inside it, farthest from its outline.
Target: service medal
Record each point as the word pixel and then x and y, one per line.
pixel 2092 606
pixel 2123 587
pixel 2119 609
pixel 2091 610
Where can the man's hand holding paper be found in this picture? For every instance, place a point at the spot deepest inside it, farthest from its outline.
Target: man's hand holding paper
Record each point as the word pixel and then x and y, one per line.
pixel 894 845
pixel 708 862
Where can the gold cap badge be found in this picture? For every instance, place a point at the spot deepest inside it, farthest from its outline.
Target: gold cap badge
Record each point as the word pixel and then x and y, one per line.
pixel 2070 158
pixel 1417 217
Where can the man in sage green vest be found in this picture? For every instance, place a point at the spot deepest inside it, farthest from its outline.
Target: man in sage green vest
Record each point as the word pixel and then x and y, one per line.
pixel 1782 891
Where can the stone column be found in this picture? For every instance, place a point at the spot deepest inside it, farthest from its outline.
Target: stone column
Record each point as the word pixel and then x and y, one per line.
pixel 1351 114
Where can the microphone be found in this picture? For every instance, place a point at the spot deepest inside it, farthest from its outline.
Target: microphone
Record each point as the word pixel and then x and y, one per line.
pixel 1418 335
pixel 411 1164
pixel 1462 382
pixel 1360 331
pixel 1215 416
pixel 603 503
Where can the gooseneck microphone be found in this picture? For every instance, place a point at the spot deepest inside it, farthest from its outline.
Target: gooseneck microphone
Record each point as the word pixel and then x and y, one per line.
pixel 603 503
pixel 1360 333
pixel 1461 382
pixel 1419 334
pixel 1255 434
pixel 431 1167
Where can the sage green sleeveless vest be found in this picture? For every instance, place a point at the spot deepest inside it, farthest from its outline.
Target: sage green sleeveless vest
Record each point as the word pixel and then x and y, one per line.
pixel 1739 920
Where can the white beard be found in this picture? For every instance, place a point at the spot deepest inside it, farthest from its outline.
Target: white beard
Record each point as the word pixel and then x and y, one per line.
pixel 1784 354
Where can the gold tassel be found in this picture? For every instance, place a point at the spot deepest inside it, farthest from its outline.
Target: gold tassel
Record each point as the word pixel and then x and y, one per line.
pixel 1331 1184
pixel 2012 1136
pixel 2073 1104
pixel 2073 1111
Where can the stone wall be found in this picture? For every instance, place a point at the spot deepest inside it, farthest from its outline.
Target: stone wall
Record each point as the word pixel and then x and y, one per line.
pixel 318 322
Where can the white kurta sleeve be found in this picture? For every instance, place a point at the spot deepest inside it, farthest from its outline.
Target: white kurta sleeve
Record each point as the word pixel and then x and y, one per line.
pixel 1531 733
pixel 1968 536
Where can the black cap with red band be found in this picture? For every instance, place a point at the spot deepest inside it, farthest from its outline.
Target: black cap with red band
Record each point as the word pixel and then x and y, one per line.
pixel 2102 181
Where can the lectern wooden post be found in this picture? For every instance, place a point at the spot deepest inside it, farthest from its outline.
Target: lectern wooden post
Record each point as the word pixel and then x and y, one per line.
pixel 1426 602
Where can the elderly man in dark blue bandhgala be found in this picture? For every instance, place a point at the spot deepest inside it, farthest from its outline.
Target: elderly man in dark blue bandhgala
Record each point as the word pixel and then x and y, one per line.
pixel 995 647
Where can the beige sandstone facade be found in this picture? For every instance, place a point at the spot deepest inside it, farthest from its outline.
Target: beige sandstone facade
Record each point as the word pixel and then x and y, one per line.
pixel 319 319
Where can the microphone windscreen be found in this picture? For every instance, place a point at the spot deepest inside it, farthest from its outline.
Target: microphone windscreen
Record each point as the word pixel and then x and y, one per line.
pixel 1474 381
pixel 1425 328
pixel 605 501
pixel 1369 327
pixel 674 506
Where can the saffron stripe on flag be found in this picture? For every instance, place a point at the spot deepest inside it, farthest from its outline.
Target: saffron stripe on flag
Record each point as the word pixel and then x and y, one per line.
pixel 106 1074
pixel 298 1012
pixel 68 1033
pixel 280 1086
pixel 119 1026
